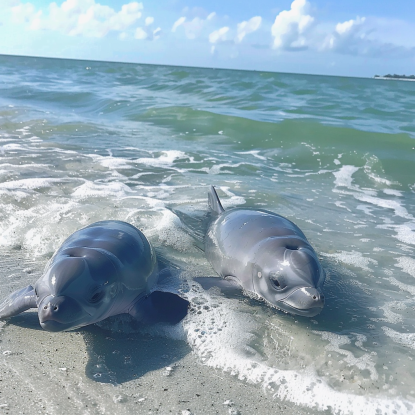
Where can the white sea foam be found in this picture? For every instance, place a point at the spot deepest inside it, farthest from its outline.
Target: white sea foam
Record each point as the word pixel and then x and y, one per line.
pixel 405 339
pixel 166 159
pixel 336 341
pixel 392 192
pixel 217 331
pixel 354 258
pixel 112 189
pixel 169 231
pixel 389 315
pixel 232 199
pixel 111 162
pixel 387 204
pixel 407 265
pixel 254 153
pixel 344 176
pixel 404 287
pixel 404 232
pixel 30 184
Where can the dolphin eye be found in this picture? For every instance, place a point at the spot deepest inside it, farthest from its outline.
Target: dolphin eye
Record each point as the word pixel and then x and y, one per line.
pixel 98 295
pixel 277 280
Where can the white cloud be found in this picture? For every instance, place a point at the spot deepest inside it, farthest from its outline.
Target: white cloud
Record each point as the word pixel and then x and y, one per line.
pixel 140 34
pixel 23 13
pixel 351 37
pixel 247 27
pixel 193 28
pixel 218 35
pixel 290 26
pixel 178 23
pixel 79 17
pixel 360 37
pixel 345 35
pixel 8 3
pixel 149 21
pixel 156 33
pixel 147 32
pixel 348 27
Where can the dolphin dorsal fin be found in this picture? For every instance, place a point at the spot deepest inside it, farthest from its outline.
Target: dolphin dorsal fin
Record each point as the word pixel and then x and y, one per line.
pixel 214 203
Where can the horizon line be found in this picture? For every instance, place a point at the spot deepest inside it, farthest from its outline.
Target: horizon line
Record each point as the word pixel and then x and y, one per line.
pixel 182 66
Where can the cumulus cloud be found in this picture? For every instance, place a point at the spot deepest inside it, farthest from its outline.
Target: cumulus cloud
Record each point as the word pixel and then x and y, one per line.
pixel 23 13
pixel 149 21
pixel 193 27
pixel 291 26
pixel 247 27
pixel 349 26
pixel 147 32
pixel 347 36
pixel 79 17
pixel 178 23
pixel 218 35
pixel 357 37
pixel 140 34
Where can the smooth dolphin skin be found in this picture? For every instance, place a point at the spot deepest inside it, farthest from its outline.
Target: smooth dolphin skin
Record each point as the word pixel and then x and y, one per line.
pixel 105 269
pixel 268 255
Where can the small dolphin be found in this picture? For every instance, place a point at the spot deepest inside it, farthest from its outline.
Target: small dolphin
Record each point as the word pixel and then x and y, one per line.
pixel 105 269
pixel 266 255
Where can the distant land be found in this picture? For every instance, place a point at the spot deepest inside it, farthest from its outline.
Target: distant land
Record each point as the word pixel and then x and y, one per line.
pixel 398 77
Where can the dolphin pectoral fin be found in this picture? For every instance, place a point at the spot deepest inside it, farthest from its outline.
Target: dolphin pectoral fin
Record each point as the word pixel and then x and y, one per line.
pixel 160 307
pixel 17 302
pixel 229 287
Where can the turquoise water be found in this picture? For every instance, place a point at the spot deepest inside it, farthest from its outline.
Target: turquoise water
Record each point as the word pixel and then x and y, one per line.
pixel 84 141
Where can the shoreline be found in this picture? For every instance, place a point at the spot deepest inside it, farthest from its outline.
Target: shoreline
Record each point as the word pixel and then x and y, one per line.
pixel 393 79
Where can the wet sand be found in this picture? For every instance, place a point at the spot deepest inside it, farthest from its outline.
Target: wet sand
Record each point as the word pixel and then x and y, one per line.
pixel 95 371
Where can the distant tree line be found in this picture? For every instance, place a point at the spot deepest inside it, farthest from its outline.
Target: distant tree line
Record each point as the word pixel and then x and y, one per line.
pixel 396 76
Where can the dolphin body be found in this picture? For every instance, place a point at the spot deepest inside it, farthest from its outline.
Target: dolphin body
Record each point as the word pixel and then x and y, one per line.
pixel 266 255
pixel 102 270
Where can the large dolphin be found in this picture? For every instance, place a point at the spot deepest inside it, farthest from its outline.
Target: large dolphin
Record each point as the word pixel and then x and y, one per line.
pixel 266 255
pixel 105 269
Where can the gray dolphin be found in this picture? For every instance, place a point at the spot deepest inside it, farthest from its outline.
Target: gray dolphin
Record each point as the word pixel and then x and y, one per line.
pixel 267 255
pixel 102 270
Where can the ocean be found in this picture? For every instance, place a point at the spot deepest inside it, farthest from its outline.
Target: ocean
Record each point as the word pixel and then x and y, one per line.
pixel 86 141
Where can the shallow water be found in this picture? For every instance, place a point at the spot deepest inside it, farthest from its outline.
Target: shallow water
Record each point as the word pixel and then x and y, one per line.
pixel 86 141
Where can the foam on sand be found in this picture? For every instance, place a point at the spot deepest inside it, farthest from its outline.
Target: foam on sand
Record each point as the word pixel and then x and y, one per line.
pixel 217 331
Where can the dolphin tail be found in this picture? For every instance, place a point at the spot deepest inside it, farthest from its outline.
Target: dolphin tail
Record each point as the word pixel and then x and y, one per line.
pixel 17 302
pixel 214 203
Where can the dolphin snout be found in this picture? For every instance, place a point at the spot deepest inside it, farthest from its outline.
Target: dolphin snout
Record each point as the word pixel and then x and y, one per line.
pixel 55 312
pixel 308 300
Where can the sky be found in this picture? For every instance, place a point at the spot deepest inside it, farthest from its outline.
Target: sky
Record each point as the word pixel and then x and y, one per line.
pixel 327 37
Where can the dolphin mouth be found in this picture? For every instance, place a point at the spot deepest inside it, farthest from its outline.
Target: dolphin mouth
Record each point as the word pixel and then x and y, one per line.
pixel 306 301
pixel 56 326
pixel 310 312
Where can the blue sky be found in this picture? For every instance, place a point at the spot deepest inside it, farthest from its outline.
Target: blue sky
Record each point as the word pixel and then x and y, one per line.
pixel 352 38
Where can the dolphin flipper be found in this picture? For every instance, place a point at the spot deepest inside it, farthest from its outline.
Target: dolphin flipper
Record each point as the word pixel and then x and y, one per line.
pixel 17 302
pixel 160 307
pixel 229 287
